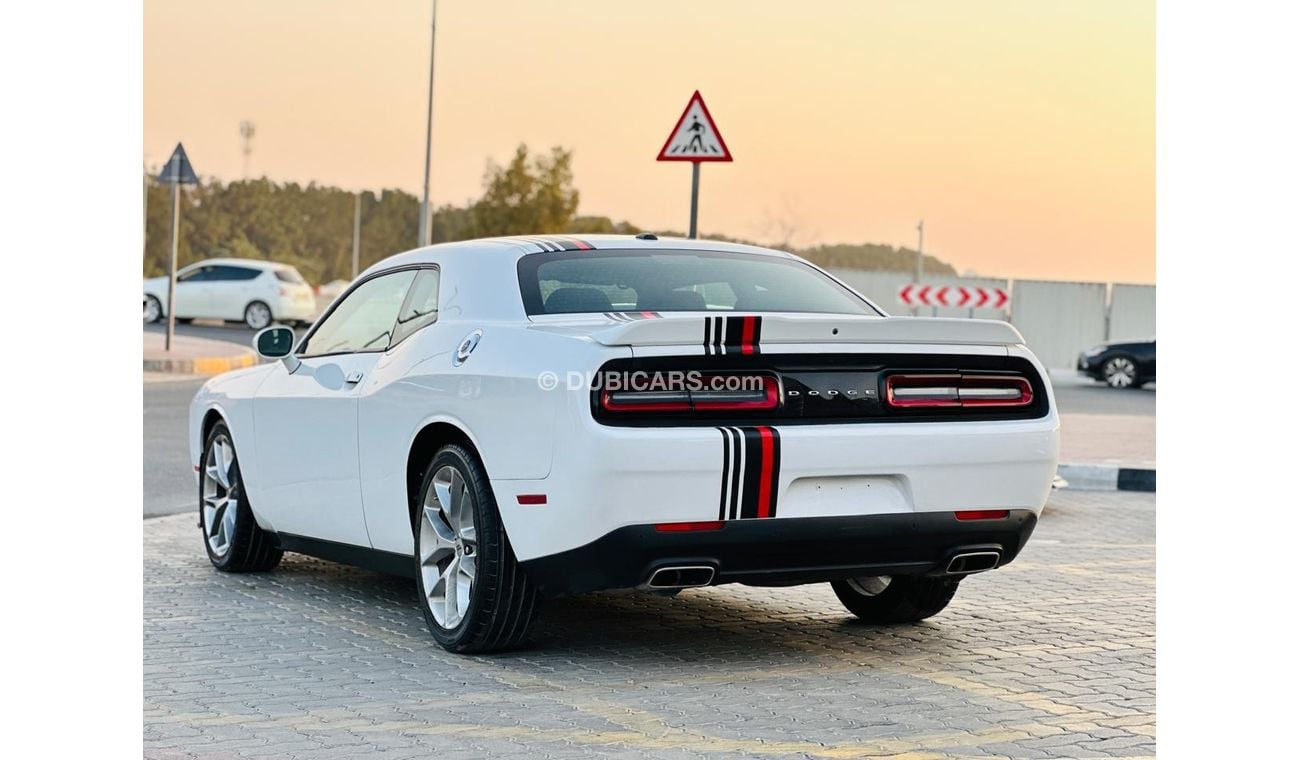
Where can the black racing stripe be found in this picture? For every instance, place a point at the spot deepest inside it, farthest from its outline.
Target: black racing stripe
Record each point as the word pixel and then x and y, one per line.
pixel 734 334
pixel 575 243
pixel 726 473
pixel 733 506
pixel 758 335
pixel 719 326
pixel 753 470
pixel 539 243
pixel 563 244
pixel 708 335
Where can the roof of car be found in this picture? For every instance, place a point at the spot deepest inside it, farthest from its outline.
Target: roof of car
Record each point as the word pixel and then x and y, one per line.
pixel 253 263
pixel 518 246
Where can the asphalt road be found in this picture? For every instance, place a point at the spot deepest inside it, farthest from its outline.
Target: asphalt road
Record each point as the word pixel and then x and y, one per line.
pixel 1052 656
pixel 230 333
pixel 169 485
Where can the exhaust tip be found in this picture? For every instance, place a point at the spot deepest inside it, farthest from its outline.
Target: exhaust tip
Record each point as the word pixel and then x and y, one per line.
pixel 679 576
pixel 972 562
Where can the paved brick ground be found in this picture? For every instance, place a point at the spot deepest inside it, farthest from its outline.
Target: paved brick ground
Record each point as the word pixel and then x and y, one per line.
pixel 1053 656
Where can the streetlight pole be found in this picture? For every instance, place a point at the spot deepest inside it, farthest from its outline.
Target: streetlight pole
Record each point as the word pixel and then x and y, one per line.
pixel 920 257
pixel 428 135
pixel 356 239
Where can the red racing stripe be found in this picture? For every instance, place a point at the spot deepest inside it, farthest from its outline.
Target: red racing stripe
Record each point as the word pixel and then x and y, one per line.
pixel 765 474
pixel 747 336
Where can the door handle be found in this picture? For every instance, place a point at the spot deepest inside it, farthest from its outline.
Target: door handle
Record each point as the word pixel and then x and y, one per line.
pixel 354 378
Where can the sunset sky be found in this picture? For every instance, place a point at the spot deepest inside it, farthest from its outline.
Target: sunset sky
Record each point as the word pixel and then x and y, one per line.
pixel 1023 132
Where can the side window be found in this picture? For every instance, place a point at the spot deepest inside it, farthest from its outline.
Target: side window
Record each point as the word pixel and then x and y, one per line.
pixel 197 274
pixel 225 273
pixel 363 321
pixel 421 307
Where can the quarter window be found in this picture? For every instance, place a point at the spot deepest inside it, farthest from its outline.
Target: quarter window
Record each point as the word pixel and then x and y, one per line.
pixel 197 274
pixel 421 307
pixel 364 320
pixel 225 273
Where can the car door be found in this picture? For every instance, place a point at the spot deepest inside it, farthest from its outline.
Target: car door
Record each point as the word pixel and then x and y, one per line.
pixel 193 298
pixel 230 289
pixel 305 421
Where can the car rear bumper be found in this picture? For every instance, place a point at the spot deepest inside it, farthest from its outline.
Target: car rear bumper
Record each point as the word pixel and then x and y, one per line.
pixel 609 478
pixel 783 552
pixel 295 309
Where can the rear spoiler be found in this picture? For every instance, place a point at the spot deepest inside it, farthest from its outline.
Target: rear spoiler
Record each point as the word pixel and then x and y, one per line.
pixel 740 329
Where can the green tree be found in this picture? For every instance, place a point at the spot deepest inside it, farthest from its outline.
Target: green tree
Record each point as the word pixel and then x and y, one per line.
pixel 527 195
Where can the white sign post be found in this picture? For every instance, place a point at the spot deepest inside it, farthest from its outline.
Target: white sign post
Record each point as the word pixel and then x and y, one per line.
pixel 177 172
pixel 696 139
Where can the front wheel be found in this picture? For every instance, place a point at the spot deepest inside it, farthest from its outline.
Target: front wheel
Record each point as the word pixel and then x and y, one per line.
pixel 1120 372
pixel 895 599
pixel 234 541
pixel 257 315
pixel 473 594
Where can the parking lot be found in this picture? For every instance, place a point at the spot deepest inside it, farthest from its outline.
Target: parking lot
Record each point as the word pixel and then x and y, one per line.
pixel 1052 656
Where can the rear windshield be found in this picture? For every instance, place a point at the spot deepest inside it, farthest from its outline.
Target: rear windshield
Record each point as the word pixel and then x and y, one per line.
pixel 289 274
pixel 575 282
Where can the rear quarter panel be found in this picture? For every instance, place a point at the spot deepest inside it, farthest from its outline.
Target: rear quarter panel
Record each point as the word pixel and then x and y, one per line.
pixel 494 397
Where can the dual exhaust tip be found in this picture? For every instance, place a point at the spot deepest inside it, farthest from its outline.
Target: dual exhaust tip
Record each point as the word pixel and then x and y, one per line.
pixel 694 576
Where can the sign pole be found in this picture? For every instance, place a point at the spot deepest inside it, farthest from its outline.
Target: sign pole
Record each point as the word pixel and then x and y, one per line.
pixel 177 172
pixel 920 257
pixel 695 196
pixel 171 267
pixel 695 139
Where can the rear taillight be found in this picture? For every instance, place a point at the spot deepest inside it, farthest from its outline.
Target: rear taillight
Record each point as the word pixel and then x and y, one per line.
pixel 957 390
pixel 702 399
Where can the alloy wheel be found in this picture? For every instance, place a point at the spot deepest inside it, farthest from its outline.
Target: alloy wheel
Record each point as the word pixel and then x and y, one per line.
pixel 257 315
pixel 221 495
pixel 1120 372
pixel 448 547
pixel 151 309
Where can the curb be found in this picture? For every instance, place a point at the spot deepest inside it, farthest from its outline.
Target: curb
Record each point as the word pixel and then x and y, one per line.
pixel 1107 477
pixel 203 365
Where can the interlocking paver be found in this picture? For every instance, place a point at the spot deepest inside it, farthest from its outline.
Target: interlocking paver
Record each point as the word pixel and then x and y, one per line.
pixel 1053 656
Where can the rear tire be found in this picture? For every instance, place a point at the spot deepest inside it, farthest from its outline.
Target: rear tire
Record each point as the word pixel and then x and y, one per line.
pixel 153 311
pixel 903 598
pixel 257 315
pixel 1120 372
pixel 474 596
pixel 234 541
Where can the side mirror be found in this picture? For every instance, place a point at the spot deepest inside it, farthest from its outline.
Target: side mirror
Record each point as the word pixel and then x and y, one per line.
pixel 276 343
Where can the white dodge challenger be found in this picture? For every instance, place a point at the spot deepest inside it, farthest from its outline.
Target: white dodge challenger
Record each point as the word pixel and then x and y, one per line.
pixel 511 419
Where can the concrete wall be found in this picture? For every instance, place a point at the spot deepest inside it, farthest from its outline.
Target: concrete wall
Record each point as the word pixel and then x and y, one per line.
pixel 1058 319
pixel 1132 312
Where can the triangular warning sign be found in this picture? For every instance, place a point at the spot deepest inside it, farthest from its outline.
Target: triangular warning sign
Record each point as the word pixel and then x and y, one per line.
pixel 696 137
pixel 178 169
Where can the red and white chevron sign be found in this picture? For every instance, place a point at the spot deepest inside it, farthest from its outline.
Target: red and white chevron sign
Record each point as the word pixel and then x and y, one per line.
pixel 963 296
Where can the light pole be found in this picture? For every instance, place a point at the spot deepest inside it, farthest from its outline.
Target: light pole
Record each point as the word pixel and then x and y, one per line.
pixel 428 134
pixel 920 257
pixel 356 239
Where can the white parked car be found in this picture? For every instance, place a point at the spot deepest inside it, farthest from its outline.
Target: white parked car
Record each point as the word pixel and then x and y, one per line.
pixel 510 419
pixel 238 290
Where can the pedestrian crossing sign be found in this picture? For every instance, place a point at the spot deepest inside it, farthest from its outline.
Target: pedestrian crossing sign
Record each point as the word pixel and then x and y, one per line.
pixel 696 137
